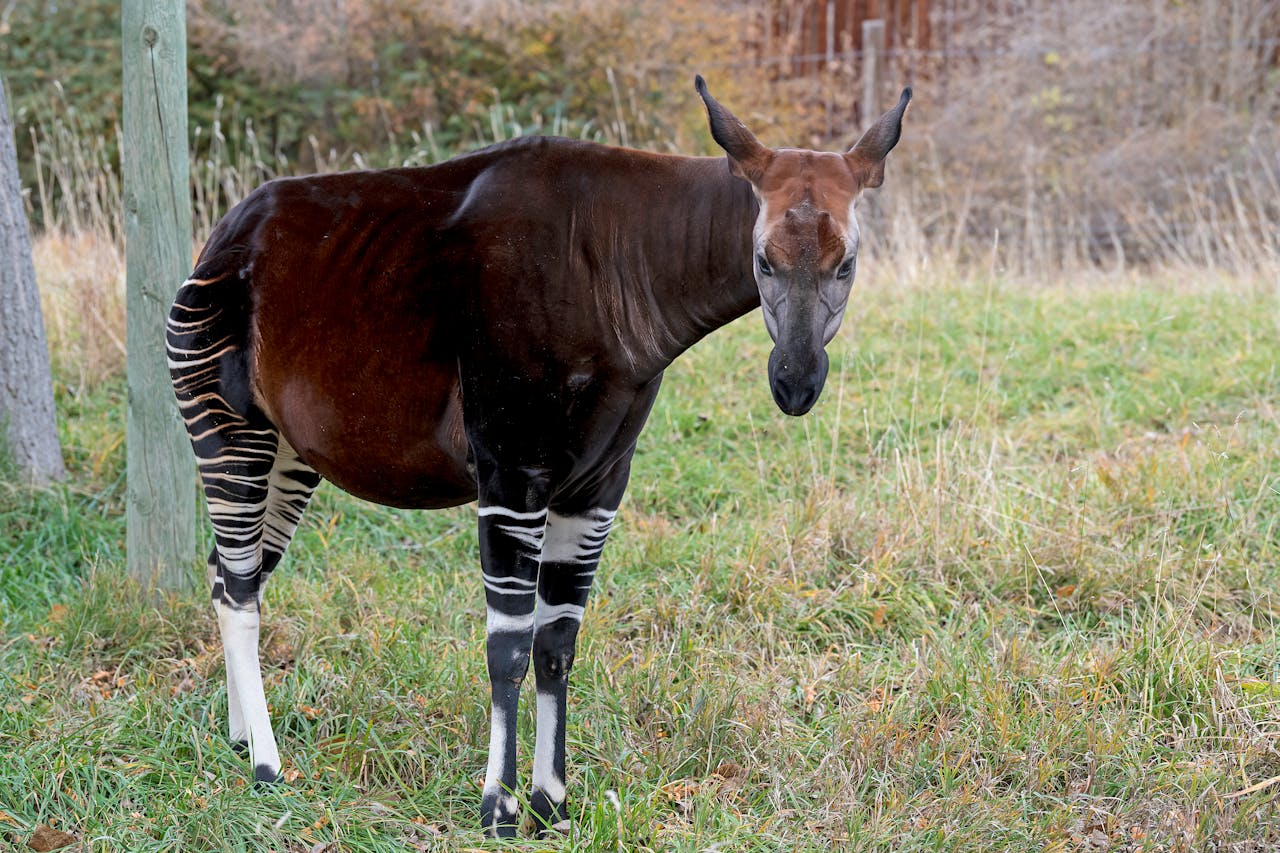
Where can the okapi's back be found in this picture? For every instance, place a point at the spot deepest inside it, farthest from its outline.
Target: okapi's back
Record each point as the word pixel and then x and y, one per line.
pixel 354 298
pixel 335 293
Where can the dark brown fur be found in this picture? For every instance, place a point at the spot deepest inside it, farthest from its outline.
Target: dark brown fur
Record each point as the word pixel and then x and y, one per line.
pixel 560 275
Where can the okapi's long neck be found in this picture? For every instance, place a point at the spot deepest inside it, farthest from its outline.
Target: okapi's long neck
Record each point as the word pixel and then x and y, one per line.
pixel 687 256
pixel 716 212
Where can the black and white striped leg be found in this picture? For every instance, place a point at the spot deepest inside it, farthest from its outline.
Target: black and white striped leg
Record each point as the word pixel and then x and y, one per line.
pixel 235 446
pixel 236 490
pixel 510 545
pixel 290 486
pixel 254 484
pixel 571 552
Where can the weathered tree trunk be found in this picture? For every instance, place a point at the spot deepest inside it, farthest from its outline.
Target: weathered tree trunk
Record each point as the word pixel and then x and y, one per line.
pixel 161 498
pixel 28 429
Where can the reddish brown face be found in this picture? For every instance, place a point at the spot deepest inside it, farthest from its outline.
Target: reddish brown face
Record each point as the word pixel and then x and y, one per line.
pixel 806 245
pixel 805 241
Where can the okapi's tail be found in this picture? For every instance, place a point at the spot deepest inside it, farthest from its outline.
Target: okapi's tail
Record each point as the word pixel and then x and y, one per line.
pixel 207 338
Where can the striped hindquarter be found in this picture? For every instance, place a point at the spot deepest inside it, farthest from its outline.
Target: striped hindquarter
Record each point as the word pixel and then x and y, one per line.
pixel 255 486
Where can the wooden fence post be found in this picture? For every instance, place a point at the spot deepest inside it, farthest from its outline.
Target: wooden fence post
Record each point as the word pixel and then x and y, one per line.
pixel 161 494
pixel 872 65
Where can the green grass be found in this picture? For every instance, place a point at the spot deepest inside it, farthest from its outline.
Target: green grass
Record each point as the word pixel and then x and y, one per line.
pixel 1012 586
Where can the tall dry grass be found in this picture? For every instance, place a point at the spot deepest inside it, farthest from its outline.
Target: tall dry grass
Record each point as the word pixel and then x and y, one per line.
pixel 1098 133
pixel 79 250
pixel 82 288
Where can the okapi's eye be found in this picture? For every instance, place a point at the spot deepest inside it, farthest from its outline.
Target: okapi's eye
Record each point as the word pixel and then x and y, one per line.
pixel 763 263
pixel 846 269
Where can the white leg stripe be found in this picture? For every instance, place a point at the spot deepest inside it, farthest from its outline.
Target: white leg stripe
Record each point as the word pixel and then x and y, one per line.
pixel 544 773
pixel 498 622
pixel 498 733
pixel 548 613
pixel 497 747
pixel 240 561
pixel 508 586
pixel 236 729
pixel 576 538
pixel 511 581
pixel 529 537
pixel 536 515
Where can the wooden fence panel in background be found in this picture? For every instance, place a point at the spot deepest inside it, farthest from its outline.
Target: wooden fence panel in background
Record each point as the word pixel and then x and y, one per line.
pixel 809 34
pixel 825 40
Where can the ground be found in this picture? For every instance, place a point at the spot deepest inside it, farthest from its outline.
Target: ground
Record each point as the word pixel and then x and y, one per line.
pixel 1011 586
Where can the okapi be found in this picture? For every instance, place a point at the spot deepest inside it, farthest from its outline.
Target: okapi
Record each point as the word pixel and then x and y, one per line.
pixel 494 327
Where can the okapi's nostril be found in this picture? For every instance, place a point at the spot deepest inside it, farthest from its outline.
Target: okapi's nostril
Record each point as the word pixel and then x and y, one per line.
pixel 796 381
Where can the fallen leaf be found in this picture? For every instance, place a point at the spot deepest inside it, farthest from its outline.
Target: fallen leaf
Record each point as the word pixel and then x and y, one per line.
pixel 47 838
pixel 728 770
pixel 680 789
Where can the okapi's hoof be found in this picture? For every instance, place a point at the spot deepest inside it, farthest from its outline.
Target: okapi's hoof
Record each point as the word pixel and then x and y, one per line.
pixel 501 830
pixel 548 819
pixel 264 777
pixel 500 816
pixel 241 748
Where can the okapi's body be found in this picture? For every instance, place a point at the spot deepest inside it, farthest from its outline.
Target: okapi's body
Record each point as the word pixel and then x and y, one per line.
pixel 494 327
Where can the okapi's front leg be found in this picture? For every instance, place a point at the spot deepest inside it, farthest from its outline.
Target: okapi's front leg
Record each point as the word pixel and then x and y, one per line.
pixel 510 545
pixel 570 554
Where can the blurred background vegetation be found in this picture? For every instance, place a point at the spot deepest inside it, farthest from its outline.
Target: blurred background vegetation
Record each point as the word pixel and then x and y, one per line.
pixel 1043 135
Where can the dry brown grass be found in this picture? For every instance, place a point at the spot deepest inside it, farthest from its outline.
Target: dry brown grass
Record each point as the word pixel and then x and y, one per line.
pixel 82 289
pixel 1098 133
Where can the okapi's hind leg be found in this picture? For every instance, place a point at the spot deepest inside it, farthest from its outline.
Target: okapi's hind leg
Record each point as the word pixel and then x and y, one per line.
pixel 235 462
pixel 290 486
pixel 255 489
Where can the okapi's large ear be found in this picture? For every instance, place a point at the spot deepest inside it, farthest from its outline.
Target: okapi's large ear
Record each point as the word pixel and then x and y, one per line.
pixel 747 157
pixel 866 157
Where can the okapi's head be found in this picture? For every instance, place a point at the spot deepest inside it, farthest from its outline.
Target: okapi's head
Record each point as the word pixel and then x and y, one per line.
pixel 805 240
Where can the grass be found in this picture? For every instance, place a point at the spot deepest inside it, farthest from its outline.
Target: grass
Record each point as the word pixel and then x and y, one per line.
pixel 1012 586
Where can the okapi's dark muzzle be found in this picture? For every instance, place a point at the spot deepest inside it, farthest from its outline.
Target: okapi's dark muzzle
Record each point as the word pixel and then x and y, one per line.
pixel 797 381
